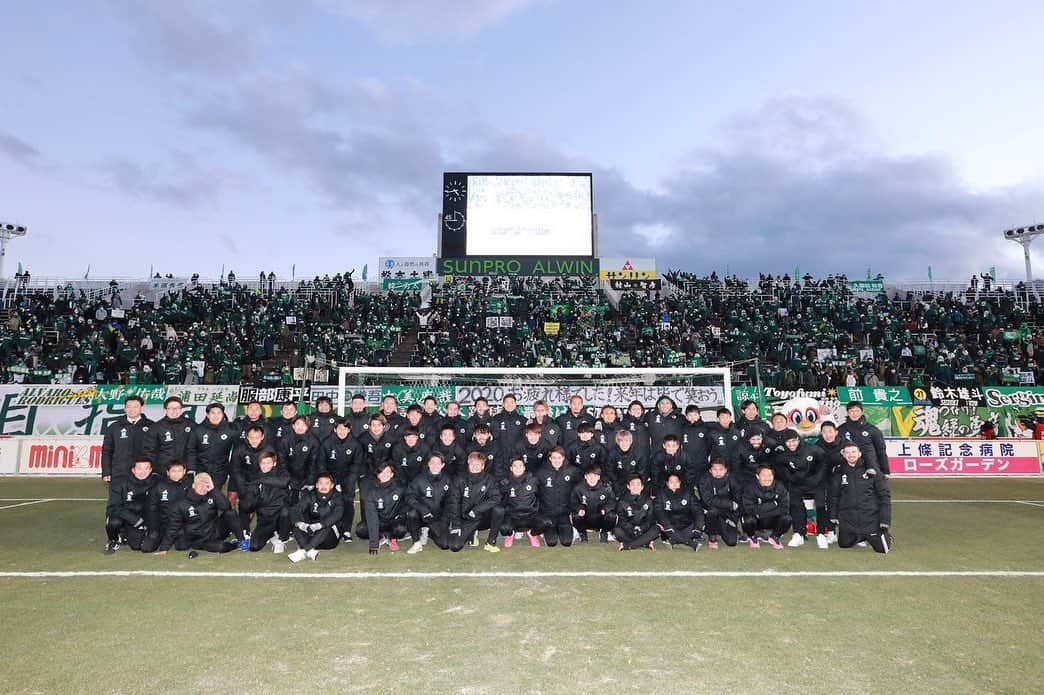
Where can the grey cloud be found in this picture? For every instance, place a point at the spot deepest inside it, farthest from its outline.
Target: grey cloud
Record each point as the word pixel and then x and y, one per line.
pixel 20 151
pixel 181 182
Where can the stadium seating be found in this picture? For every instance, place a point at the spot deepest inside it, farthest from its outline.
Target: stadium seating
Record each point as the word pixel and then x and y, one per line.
pixel 236 332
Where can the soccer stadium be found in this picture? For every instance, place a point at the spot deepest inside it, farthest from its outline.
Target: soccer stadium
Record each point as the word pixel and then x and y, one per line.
pixel 428 390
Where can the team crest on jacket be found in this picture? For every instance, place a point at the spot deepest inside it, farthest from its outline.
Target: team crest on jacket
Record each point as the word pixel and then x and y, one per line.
pixel 192 512
pixel 188 429
pixel 395 498
pixel 167 437
pixel 123 433
pixel 210 500
pixel 224 437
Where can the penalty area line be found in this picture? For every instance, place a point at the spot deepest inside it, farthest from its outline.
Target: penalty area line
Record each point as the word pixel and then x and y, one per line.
pixel 676 574
pixel 22 504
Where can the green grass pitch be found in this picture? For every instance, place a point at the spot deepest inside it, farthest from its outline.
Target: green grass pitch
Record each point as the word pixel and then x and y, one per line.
pixel 763 630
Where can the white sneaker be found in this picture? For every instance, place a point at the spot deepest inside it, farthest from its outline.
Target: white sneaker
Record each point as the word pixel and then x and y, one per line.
pixel 822 542
pixel 831 537
pixel 415 548
pixel 278 546
pixel 312 554
pixel 382 541
pixel 576 535
pixel 519 535
pixel 423 540
pixel 297 555
pixel 861 544
pixel 796 541
pixel 610 537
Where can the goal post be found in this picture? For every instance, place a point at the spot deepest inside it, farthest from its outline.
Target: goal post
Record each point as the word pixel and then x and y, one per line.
pixel 707 387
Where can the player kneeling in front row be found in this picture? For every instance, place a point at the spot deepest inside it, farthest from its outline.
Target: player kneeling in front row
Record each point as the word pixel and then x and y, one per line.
pixel 766 507
pixel 269 498
pixel 128 514
pixel 720 494
pixel 635 517
pixel 426 508
pixel 521 505
pixel 315 519
pixel 202 520
pixel 678 514
pixel 860 503
pixel 474 505
pixel 557 480
pixel 593 505
pixel 162 501
pixel 384 510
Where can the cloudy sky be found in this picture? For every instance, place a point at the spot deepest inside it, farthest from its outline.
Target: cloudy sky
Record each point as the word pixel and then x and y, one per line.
pixel 258 134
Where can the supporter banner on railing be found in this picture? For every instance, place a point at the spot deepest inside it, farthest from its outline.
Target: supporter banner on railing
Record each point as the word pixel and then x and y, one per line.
pixel 69 410
pixel 806 409
pixel 60 456
pixel 962 457
pixel 627 268
pixel 401 273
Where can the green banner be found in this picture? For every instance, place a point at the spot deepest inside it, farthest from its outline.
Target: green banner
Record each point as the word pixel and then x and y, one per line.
pixel 875 395
pixel 402 284
pixel 866 286
pixel 806 409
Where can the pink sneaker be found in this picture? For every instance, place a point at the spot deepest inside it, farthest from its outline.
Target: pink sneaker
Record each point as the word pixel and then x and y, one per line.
pixel 713 545
pixel 534 540
pixel 754 542
pixel 393 544
pixel 774 542
pixel 509 540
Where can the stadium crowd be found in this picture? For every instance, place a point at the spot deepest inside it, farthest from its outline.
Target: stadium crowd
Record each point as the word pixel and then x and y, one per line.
pixel 804 333
pixel 636 478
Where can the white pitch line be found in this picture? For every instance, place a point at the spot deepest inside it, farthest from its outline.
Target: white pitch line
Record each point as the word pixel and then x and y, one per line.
pixel 677 574
pixel 1033 502
pixel 23 504
pixel 52 499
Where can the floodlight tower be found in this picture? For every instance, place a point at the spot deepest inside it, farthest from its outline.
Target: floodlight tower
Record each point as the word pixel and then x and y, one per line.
pixel 7 232
pixel 1025 236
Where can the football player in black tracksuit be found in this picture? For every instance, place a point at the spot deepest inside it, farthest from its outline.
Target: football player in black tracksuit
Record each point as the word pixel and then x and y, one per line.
pixel 244 470
pixel 282 427
pixel 860 504
pixel 723 435
pixel 427 430
pixel 374 449
pixel 720 495
pixel 270 497
pixel 474 505
pixel 606 427
pixel 254 416
pixel 869 439
pixel 315 517
pixel 409 455
pixel 663 420
pixel 482 442
pixel 453 419
pixel 694 439
pixel 202 520
pixel 124 441
pixel 552 432
pixel 831 445
pixel 766 506
pixel 129 511
pixel 584 452
pixel 358 417
pixel 778 434
pixel 679 514
pixel 800 466
pixel 451 451
pixel 623 461
pixel 569 422
pixel 521 504
pixel 169 491
pixel 557 480
pixel 168 436
pixel 671 458
pixel 427 515
pixel 210 446
pixel 635 517
pixel 480 415
pixel 323 419
pixel 508 426
pixel 750 421
pixel 593 505
pixel 298 455
pixel 394 423
pixel 532 449
pixel 339 456
pixel 384 510
pixel 634 422
pixel 748 457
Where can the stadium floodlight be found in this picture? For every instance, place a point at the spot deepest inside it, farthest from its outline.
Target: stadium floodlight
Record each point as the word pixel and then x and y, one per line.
pixel 1025 236
pixel 8 231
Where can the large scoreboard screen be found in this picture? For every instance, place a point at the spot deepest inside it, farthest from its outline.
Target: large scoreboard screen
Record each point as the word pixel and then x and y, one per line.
pixel 500 214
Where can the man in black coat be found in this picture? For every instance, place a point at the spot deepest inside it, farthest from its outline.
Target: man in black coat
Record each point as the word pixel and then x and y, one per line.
pixel 860 504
